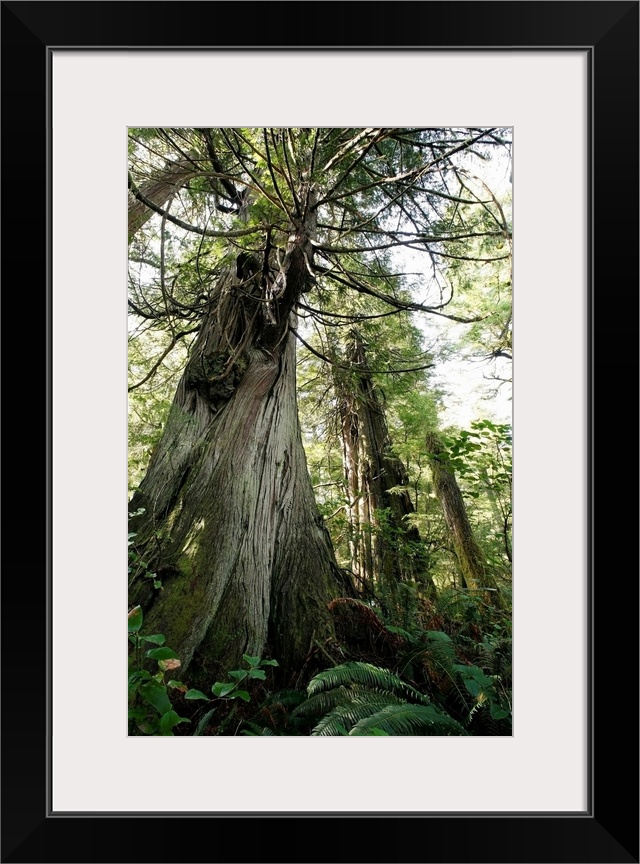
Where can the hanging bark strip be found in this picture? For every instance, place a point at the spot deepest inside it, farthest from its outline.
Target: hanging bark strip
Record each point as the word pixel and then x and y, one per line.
pixel 158 191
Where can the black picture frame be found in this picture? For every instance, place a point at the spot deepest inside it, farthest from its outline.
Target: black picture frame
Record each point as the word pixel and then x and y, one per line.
pixel 608 832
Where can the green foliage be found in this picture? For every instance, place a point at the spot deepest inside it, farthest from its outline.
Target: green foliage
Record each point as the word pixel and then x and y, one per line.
pixel 466 671
pixel 254 729
pixel 340 719
pixel 483 688
pixel 456 697
pixel 327 701
pixel 150 708
pixel 230 689
pixel 481 454
pixel 363 699
pixel 481 280
pixel 480 457
pixel 408 720
pixel 361 673
pixel 276 715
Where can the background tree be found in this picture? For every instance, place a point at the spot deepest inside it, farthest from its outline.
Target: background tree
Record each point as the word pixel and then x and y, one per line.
pixel 471 560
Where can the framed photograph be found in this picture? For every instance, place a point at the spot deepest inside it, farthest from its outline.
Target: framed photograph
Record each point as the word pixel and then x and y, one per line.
pixel 563 76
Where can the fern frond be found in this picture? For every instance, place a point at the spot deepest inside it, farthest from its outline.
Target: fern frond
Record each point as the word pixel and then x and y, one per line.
pixel 204 722
pixel 343 717
pixel 441 646
pixel 354 672
pixel 409 720
pixel 254 729
pixel 321 703
pixel 400 631
pixel 437 657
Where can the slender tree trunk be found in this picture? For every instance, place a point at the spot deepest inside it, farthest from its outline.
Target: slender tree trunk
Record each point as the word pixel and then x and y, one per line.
pixel 230 524
pixel 359 529
pixel 385 545
pixel 471 560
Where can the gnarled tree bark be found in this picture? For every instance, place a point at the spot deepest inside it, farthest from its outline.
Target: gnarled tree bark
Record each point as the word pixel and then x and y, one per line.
pixel 230 523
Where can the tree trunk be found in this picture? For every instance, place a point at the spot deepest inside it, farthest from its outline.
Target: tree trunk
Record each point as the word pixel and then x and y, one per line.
pixel 385 545
pixel 471 560
pixel 230 524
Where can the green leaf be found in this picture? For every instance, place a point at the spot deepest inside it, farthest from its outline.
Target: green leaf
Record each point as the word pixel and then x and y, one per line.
pixel 478 675
pixel 196 694
pixel 162 654
pixel 156 638
pixel 171 719
pixel 252 661
pixel 222 688
pixel 257 673
pixel 239 674
pixel 269 663
pixel 438 636
pixel 157 583
pixel 137 713
pixel 240 694
pixel 472 686
pixel 156 695
pixel 139 675
pixel 497 712
pixel 134 619
pixel 177 685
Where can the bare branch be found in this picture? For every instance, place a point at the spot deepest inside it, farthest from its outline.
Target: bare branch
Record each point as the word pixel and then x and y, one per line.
pixel 158 363
pixel 350 368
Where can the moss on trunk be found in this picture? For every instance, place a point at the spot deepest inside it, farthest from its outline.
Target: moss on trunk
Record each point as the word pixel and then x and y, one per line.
pixel 471 560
